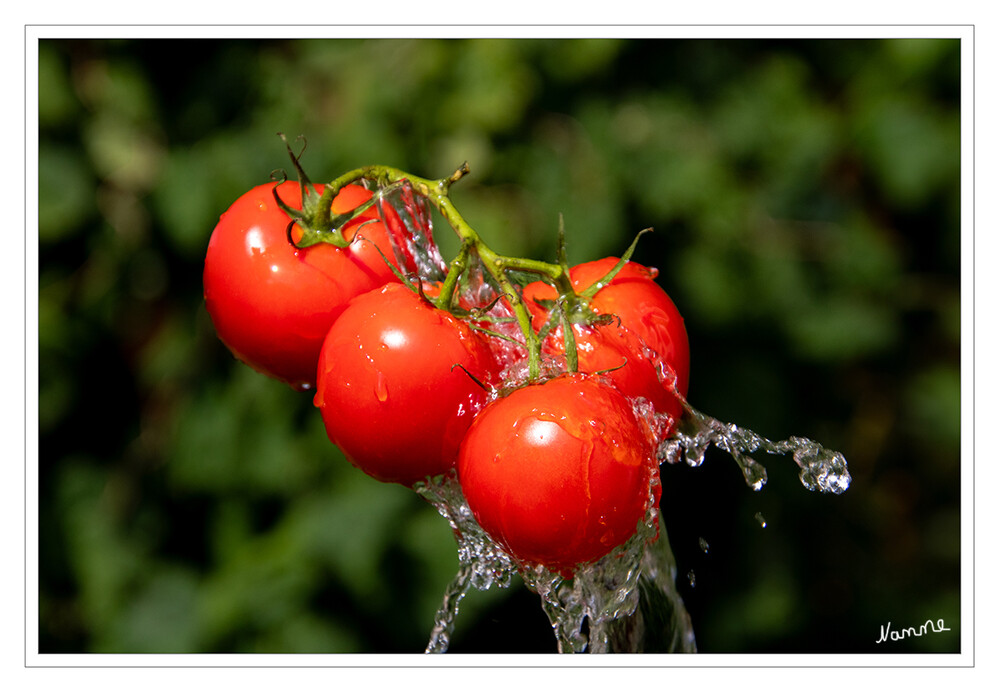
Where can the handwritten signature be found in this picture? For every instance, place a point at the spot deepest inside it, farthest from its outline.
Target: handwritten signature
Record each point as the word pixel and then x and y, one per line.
pixel 896 635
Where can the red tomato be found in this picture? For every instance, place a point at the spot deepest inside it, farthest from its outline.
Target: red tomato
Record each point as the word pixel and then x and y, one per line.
pixel 640 304
pixel 272 303
pixel 388 387
pixel 559 473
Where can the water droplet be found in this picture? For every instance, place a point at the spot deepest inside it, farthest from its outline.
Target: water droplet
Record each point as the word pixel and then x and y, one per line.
pixel 761 520
pixel 753 471
pixel 381 388
pixel 703 543
pixel 692 578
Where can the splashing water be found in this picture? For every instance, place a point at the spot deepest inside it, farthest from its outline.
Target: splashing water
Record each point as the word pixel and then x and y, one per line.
pixel 413 241
pixel 627 601
pixel 820 468
pixel 482 563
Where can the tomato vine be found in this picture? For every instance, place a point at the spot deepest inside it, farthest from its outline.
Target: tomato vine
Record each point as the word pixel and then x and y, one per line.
pixel 572 306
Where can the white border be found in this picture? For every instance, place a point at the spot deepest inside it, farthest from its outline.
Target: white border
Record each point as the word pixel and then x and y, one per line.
pixel 32 33
pixel 624 30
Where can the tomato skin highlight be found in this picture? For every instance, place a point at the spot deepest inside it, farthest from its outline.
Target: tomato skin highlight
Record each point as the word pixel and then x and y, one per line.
pixel 272 303
pixel 395 384
pixel 559 473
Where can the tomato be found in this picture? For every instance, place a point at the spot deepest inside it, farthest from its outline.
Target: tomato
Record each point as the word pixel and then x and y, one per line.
pixel 389 385
pixel 559 473
pixel 638 302
pixel 272 303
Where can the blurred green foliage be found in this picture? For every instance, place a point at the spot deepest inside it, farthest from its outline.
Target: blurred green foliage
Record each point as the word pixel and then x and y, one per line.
pixel 805 196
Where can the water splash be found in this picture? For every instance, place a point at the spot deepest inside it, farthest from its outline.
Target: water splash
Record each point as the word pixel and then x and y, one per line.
pixel 820 468
pixel 481 562
pixel 626 601
pixel 410 229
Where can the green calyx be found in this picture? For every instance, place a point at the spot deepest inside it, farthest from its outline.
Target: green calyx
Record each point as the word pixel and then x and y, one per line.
pixel 316 220
pixel 572 307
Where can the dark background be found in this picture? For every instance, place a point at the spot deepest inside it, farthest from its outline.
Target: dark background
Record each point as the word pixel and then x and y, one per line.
pixel 805 200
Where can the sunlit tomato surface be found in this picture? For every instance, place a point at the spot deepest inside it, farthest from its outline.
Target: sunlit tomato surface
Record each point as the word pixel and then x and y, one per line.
pixel 559 473
pixel 272 303
pixel 395 384
pixel 637 300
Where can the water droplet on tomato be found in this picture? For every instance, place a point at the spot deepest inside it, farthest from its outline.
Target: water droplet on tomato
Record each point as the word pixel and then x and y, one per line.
pixel 381 388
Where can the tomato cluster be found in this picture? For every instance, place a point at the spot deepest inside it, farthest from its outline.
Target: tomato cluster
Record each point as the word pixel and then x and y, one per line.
pixel 558 469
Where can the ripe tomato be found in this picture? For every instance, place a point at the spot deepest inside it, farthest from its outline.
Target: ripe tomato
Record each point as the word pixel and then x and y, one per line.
pixel 559 473
pixel 640 304
pixel 272 303
pixel 389 389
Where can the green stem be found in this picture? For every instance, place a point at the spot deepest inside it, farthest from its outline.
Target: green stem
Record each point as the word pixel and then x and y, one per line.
pixel 457 266
pixel 496 265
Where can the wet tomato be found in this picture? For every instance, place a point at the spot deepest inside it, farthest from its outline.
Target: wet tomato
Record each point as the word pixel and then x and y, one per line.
pixel 395 384
pixel 559 473
pixel 272 303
